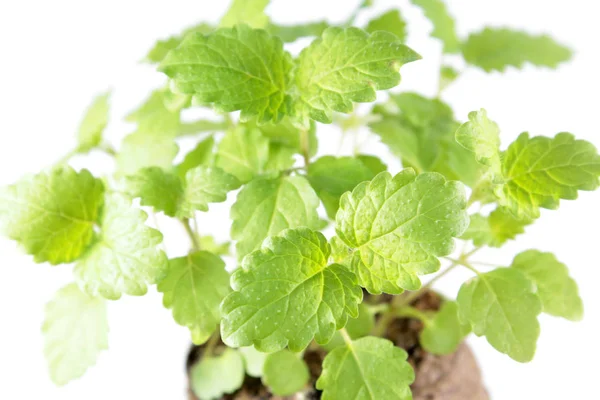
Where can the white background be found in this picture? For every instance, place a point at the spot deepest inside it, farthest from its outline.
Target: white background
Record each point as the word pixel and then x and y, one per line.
pixel 56 55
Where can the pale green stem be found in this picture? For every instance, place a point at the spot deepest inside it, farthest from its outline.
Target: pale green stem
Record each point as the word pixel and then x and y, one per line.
pixel 191 234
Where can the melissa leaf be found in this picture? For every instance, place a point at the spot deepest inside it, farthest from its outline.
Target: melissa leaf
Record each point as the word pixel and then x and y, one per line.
pixel 540 171
pixel 390 21
pixel 205 185
pixel 481 136
pixel 75 331
pixel 215 376
pixel 243 152
pixel 496 229
pixel 333 176
pixel 399 225
pixel 494 49
pixel 193 288
pixel 251 12
pixel 443 23
pixel 208 243
pixel 156 188
pixel 358 327
pixel 52 214
pixel 265 207
pixel 345 66
pixel 124 257
pixel 285 373
pixel 367 368
pixel 285 294
pixel 93 123
pixel 291 33
pixel 237 68
pixel 557 290
pixel 502 306
pixel 162 47
pixel 444 332
pixel 202 154
pixel 285 133
pixel 254 361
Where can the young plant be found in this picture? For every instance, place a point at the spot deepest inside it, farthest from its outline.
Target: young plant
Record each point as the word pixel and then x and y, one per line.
pixel 295 287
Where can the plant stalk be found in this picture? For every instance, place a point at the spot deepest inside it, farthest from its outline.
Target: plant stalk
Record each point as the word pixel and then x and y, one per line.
pixel 191 234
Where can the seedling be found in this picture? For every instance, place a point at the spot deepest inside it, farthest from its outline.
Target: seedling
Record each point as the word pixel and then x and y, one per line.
pixel 295 287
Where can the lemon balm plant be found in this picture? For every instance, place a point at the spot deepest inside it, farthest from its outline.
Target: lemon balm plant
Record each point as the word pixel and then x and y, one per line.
pixel 307 313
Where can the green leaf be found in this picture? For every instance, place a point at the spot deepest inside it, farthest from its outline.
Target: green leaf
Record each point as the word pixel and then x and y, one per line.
pixel 251 12
pixel 390 21
pixel 202 154
pixel 356 327
pixel 503 306
pixel 164 191
pixel 243 152
pixel 421 133
pixel 93 124
pixel 155 116
pixel 291 33
pixel 557 290
pixel 495 229
pixel 156 188
pixel 286 134
pixel 368 368
pixel 481 136
pixel 444 332
pixel 52 214
pixel 285 373
pixel 285 294
pixel 494 49
pixel 201 125
pixel 205 185
pixel 193 288
pixel 333 176
pixel 345 66
pixel 280 159
pixel 143 149
pixel 209 244
pixel 265 207
pixel 540 171
pixel 399 226
pixel 373 163
pixel 75 331
pixel 124 257
pixel 448 75
pixel 237 68
pixel 254 361
pixel 443 23
pixel 215 376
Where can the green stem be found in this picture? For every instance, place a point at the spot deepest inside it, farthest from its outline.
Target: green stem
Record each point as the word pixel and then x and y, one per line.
pixel 304 144
pixel 212 342
pixel 346 336
pixel 412 312
pixel 108 149
pixel 67 157
pixel 406 300
pixel 191 234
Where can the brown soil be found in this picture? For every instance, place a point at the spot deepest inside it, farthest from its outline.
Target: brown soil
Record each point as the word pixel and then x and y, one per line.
pixel 452 377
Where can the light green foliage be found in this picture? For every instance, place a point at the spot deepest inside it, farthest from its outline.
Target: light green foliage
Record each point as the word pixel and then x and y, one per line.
pixel 540 171
pixel 202 154
pixel 367 368
pixel 124 257
pixel 398 227
pixel 333 176
pixel 286 134
pixel 494 49
pixel 156 188
pixel 160 49
pixel 254 361
pixel 444 332
pixel 481 136
pixel 285 373
pixel 208 243
pixel 153 142
pixel 93 123
pixel 356 327
pixel 200 126
pixel 243 152
pixel 496 229
pixel 75 331
pixel 447 76
pixel 193 288
pixel 373 163
pixel 52 214
pixel 421 132
pixel 237 68
pixel 285 294
pixel 557 290
pixel 390 21
pixel 265 207
pixel 205 185
pixel 291 33
pixel 346 66
pixel 502 306
pixel 251 12
pixel 217 375
pixel 443 23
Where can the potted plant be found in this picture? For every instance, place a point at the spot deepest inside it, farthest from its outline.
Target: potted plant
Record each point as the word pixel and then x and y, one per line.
pixel 320 302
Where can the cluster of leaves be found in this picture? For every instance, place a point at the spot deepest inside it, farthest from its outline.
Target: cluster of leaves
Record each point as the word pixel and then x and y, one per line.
pixel 295 287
